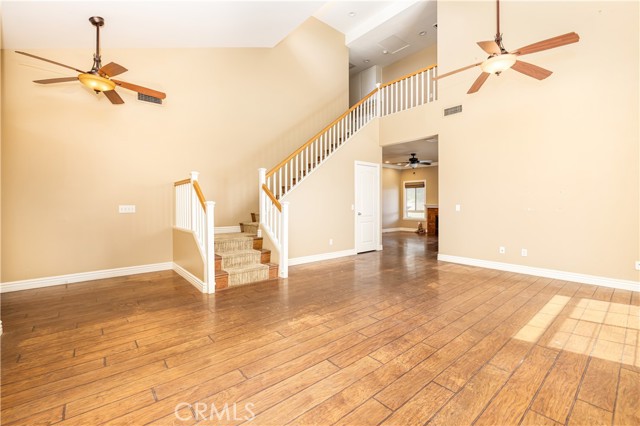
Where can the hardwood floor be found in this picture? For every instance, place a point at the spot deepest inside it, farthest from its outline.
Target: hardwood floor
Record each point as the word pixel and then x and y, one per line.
pixel 391 338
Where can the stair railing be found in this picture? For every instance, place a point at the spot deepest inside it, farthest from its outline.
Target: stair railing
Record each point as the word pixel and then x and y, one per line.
pixel 274 218
pixel 406 92
pixel 193 213
pixel 409 91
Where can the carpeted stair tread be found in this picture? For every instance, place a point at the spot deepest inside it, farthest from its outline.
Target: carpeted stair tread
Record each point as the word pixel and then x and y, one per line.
pixel 250 227
pixel 247 274
pixel 239 258
pixel 233 242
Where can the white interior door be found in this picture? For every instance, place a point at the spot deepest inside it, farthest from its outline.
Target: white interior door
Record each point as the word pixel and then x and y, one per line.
pixel 367 206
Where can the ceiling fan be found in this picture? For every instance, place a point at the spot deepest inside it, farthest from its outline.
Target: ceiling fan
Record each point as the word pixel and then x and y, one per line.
pixel 414 162
pixel 500 59
pixel 99 78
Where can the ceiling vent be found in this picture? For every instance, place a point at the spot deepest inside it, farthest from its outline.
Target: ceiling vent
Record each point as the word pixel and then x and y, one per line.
pixel 393 44
pixel 147 98
pixel 453 110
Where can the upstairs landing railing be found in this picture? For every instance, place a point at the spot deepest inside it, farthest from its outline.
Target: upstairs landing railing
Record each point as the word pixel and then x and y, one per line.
pixel 406 92
pixel 193 213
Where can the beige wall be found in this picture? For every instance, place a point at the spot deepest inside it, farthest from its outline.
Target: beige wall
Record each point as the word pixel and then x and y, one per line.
pixel 69 157
pixel 551 166
pixel 392 194
pixel 187 254
pixel 418 60
pixel 320 208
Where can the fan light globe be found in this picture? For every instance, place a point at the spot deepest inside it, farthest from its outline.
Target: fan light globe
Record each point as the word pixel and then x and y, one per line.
pixel 97 83
pixel 498 63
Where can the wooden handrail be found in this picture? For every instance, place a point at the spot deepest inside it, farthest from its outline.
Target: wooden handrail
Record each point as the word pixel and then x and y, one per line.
pixel 334 122
pixel 182 182
pixel 196 186
pixel 274 200
pixel 320 133
pixel 404 77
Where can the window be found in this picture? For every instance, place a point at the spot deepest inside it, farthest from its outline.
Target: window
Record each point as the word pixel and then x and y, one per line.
pixel 415 198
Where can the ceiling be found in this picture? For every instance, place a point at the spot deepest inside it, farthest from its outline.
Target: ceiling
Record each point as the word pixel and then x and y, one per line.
pixel 50 24
pixel 425 149
pixel 370 27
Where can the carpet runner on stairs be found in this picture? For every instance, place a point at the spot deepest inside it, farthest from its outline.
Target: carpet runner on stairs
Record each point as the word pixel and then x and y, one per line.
pixel 253 226
pixel 240 261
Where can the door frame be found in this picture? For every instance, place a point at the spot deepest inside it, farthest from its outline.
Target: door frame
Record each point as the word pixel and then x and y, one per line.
pixel 378 213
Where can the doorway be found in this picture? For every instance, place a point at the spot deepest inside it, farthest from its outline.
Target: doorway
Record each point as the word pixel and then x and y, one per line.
pixel 367 206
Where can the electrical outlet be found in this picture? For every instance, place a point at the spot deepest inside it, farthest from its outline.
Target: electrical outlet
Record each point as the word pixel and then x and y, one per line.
pixel 524 253
pixel 502 250
pixel 126 208
pixel 637 265
pixel 330 241
pixel 458 207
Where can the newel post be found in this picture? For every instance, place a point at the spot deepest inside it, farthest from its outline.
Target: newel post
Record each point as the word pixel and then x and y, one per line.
pixel 284 243
pixel 210 266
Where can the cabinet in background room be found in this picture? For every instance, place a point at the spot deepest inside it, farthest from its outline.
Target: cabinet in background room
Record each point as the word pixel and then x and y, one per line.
pixel 432 221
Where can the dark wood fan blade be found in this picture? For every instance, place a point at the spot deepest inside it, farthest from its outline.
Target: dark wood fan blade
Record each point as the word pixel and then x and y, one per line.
pixel 490 46
pixel 112 69
pixel 548 44
pixel 50 61
pixel 531 70
pixel 56 80
pixel 113 97
pixel 140 89
pixel 479 82
pixel 456 71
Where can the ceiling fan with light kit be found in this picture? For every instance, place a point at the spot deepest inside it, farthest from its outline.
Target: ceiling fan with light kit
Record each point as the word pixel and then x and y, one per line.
pixel 99 78
pixel 500 59
pixel 415 162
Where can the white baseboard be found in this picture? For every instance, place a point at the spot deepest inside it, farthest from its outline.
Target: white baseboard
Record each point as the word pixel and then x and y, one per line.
pixel 547 273
pixel 197 282
pixel 385 230
pixel 226 229
pixel 323 256
pixel 82 276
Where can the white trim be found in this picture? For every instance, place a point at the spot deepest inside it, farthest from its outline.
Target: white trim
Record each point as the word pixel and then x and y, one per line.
pixel 226 229
pixel 378 206
pixel 543 272
pixel 323 256
pixel 385 230
pixel 404 201
pixel 197 282
pixel 82 276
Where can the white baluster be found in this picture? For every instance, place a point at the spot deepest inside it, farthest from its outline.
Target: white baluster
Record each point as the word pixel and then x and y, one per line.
pixel 262 172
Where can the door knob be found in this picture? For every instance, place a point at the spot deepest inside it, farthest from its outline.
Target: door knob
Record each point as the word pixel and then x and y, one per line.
pixel 359 214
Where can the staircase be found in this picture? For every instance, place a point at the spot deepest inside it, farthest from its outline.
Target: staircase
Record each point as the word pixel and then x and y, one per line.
pixel 236 259
pixel 240 258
